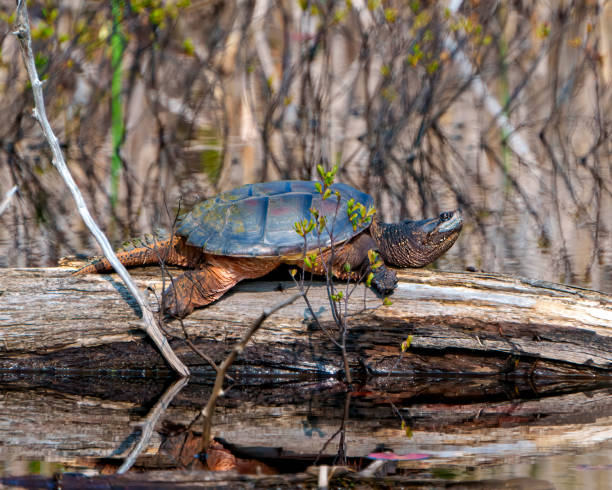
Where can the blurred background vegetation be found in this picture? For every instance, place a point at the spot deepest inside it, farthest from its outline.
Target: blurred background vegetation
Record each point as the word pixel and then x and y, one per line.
pixel 502 108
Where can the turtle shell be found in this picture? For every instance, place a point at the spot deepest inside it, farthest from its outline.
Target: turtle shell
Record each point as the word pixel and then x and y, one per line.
pixel 257 220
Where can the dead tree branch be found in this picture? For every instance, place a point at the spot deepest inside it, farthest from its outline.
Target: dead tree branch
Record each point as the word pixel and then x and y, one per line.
pixel 207 411
pixel 150 422
pixel 150 326
pixel 7 199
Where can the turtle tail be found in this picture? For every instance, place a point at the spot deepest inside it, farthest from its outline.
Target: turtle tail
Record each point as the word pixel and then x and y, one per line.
pixel 152 248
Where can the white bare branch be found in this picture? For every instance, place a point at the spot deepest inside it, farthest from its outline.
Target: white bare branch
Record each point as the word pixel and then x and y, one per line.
pixel 149 424
pixel 515 141
pixel 7 199
pixel 149 323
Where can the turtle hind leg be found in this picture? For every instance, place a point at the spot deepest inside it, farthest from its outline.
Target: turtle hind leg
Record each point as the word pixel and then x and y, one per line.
pixel 146 251
pixel 209 282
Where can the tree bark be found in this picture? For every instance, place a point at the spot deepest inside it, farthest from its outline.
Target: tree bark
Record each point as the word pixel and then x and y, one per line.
pixel 458 323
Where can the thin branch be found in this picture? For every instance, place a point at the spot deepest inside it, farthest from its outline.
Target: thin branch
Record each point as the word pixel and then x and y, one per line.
pixel 149 423
pixel 207 411
pixel 515 141
pixel 150 326
pixel 7 199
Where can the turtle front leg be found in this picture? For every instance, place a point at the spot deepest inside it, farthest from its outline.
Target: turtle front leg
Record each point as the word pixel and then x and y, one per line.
pixel 355 253
pixel 208 283
pixel 384 280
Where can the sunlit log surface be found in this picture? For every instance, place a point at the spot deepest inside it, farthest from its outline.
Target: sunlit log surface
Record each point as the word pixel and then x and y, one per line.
pixel 453 422
pixel 459 322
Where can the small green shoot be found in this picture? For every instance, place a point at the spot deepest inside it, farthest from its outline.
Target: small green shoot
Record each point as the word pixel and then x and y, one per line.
pixel 406 343
pixel 369 279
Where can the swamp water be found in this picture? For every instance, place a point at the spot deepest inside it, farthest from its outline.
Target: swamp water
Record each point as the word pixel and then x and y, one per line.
pixel 432 431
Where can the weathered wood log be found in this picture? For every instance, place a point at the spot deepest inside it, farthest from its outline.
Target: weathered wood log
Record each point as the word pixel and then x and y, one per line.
pixel 459 323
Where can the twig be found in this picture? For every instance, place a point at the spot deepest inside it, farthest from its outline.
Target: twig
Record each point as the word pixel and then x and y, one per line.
pixel 7 199
pixel 149 423
pixel 260 12
pixel 39 113
pixel 207 411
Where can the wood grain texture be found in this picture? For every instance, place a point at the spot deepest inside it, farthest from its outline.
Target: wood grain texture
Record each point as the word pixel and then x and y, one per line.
pixel 459 322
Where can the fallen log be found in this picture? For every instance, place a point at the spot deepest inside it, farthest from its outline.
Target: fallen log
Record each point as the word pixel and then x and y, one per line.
pixel 458 323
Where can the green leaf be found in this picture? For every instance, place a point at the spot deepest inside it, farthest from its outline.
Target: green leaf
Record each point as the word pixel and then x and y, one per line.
pixel 387 302
pixel 372 256
pixel 347 267
pixel 157 16
pixel 406 343
pixel 362 210
pixel 188 47
pixel 327 193
pixel 321 171
pixel 390 15
pixel 369 279
pixel 308 262
pixel 318 187
pixel 322 223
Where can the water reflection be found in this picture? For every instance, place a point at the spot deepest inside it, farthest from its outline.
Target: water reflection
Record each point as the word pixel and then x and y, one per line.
pixel 288 425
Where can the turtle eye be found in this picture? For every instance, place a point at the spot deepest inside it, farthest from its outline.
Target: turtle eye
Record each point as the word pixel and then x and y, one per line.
pixel 446 215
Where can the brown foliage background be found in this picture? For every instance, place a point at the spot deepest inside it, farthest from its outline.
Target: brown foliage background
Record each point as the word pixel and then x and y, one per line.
pixel 402 95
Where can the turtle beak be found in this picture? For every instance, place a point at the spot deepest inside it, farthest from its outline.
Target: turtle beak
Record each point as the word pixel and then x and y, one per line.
pixel 450 221
pixel 446 222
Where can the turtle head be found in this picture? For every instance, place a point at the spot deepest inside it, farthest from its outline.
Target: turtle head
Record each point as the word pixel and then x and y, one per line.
pixel 417 243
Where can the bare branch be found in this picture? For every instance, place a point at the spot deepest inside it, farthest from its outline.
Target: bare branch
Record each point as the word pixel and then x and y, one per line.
pixel 149 424
pixel 7 199
pixel 515 140
pixel 150 326
pixel 207 411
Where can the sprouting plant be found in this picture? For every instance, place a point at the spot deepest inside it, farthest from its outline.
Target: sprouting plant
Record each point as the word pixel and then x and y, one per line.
pixel 322 260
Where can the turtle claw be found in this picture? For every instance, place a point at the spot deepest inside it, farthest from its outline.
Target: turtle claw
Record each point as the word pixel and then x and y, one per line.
pixel 173 306
pixel 384 280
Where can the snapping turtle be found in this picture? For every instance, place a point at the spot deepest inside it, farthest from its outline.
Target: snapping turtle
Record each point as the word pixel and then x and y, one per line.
pixel 249 231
